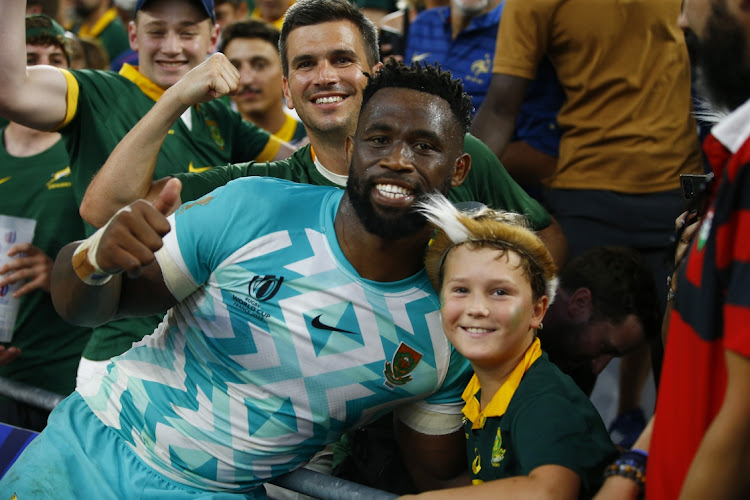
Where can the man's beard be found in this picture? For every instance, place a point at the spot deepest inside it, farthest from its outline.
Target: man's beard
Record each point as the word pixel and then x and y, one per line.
pixel 722 60
pixel 393 226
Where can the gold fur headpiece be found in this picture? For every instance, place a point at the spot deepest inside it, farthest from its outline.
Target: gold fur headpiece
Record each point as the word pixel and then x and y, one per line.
pixel 486 228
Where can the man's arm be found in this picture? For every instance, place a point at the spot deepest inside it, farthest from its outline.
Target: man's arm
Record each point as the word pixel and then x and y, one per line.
pixel 495 120
pixel 527 165
pixel 34 96
pixel 623 488
pixel 126 245
pixel 127 174
pixel 433 462
pixel 555 241
pixel 721 468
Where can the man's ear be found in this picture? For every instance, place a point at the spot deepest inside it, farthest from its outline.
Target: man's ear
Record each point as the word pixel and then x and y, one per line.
pixel 349 148
pixel 132 35
pixel 580 305
pixel 215 30
pixel 463 165
pixel 287 95
pixel 376 68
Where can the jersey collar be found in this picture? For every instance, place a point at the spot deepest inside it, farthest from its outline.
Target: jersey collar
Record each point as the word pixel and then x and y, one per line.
pixel 100 25
pixel 734 129
pixel 147 86
pixel 337 179
pixel 501 399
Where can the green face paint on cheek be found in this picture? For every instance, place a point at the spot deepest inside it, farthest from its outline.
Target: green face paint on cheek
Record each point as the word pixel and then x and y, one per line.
pixel 517 318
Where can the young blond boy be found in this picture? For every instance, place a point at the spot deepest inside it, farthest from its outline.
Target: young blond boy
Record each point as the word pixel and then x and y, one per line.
pixel 530 431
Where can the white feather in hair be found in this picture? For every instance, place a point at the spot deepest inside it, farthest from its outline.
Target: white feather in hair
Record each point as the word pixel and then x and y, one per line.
pixel 551 289
pixel 440 211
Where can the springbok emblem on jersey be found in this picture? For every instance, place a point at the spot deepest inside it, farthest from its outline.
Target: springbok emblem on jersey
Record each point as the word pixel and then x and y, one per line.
pixel 213 128
pixel 403 363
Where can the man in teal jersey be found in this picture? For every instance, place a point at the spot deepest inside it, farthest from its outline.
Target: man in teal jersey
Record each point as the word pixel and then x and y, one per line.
pixel 93 110
pixel 326 48
pixel 287 327
pixel 35 184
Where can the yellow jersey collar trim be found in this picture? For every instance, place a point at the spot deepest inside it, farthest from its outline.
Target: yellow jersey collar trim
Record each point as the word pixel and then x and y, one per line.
pixel 99 26
pixel 500 401
pixel 286 132
pixel 147 86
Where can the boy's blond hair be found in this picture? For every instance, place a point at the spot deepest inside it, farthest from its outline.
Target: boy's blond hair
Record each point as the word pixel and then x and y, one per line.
pixel 487 228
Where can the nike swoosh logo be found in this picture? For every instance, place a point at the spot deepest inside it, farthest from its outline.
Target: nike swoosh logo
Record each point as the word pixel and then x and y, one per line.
pixel 191 168
pixel 318 324
pixel 420 57
pixel 5 179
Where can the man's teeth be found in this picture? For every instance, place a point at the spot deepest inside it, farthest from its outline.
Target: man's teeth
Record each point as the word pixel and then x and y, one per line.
pixel 171 64
pixel 392 191
pixel 476 330
pixel 328 100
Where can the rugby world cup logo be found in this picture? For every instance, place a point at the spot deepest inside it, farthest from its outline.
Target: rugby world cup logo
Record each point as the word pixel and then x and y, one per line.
pixel 10 237
pixel 264 287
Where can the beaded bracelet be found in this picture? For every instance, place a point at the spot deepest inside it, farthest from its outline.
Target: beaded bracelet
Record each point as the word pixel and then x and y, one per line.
pixel 632 465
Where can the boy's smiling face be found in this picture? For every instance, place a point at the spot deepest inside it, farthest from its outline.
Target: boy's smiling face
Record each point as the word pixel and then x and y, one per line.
pixel 488 311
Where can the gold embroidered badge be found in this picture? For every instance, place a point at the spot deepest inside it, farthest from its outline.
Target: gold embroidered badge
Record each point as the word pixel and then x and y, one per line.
pixel 498 452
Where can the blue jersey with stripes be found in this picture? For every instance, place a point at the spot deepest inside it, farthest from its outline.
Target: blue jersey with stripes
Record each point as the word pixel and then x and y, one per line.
pixel 277 345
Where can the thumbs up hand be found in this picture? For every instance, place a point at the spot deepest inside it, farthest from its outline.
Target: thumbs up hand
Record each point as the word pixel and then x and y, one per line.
pixel 130 239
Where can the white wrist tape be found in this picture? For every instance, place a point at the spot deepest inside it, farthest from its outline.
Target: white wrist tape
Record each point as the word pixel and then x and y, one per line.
pixel 427 421
pixel 84 258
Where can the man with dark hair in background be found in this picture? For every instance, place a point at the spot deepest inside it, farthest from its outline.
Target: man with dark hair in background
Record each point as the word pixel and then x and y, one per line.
pixel 252 46
pixel 606 306
pixel 230 11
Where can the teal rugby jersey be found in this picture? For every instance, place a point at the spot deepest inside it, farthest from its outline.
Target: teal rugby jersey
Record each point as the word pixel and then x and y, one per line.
pixel 279 345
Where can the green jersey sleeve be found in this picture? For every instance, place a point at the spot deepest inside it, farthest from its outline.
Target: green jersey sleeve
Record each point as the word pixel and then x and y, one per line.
pixel 489 183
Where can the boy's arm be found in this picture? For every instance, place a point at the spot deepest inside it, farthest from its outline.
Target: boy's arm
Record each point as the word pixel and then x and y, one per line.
pixel 35 96
pixel 127 174
pixel 126 245
pixel 552 482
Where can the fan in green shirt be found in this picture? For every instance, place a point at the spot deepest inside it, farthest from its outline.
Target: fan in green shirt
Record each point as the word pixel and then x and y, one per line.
pixel 35 183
